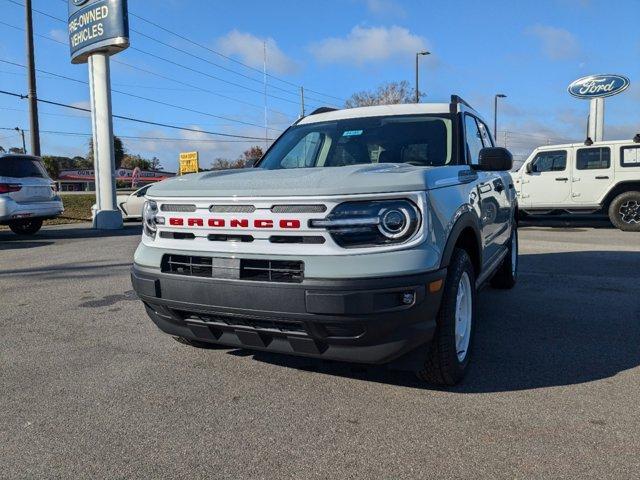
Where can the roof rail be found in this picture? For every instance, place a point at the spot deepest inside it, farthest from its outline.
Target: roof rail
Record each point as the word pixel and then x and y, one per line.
pixel 323 110
pixel 455 99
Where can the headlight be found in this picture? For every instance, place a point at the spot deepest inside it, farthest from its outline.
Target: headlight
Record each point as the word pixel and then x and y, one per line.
pixel 363 224
pixel 150 219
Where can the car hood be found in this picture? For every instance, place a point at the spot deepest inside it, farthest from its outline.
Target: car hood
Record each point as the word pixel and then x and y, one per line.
pixel 298 182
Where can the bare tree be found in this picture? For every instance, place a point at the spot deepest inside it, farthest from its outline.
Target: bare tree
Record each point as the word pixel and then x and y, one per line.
pixel 390 93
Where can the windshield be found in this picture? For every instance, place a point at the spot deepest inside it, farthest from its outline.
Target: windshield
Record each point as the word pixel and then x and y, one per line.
pixel 21 167
pixel 415 140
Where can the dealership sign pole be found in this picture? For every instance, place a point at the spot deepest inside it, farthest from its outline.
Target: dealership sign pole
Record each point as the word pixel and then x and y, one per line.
pixel 596 88
pixel 97 30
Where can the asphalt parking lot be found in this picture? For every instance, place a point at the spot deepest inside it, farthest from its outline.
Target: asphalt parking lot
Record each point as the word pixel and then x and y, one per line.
pixel 90 388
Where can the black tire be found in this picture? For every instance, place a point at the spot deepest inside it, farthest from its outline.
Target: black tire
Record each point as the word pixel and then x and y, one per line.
pixel 26 227
pixel 197 344
pixel 506 276
pixel 624 212
pixel 442 365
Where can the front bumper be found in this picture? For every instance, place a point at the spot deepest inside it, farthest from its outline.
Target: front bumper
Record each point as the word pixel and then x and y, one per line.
pixel 11 210
pixel 357 320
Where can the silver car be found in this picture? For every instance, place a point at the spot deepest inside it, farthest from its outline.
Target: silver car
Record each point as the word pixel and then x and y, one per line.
pixel 27 194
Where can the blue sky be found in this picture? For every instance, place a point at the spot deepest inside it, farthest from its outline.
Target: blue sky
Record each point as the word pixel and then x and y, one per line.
pixel 529 50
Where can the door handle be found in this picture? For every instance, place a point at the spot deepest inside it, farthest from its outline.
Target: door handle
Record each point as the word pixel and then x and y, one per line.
pixel 602 177
pixel 562 179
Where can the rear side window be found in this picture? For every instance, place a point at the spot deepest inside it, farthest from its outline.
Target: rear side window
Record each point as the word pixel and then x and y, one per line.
pixel 21 167
pixel 630 156
pixel 550 162
pixel 593 158
pixel 474 139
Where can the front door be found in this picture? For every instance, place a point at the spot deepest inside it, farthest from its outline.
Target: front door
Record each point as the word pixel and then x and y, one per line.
pixel 547 182
pixel 592 175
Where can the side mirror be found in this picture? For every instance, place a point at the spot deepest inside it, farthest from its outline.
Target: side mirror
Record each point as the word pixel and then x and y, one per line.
pixel 494 159
pixel 529 168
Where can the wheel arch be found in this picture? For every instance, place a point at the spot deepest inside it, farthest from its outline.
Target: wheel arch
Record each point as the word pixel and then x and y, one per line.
pixel 621 187
pixel 466 234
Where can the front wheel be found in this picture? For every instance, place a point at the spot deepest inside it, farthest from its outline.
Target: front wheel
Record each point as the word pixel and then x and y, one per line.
pixel 624 212
pixel 26 227
pixel 449 352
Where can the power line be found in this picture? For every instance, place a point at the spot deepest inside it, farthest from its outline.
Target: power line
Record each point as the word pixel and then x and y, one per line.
pixel 137 120
pixel 132 137
pixel 165 77
pixel 139 97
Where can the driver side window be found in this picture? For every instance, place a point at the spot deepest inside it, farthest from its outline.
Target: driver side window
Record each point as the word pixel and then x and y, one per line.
pixel 474 139
pixel 549 162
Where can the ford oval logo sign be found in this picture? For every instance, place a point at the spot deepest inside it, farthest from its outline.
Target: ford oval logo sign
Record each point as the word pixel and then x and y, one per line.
pixel 595 86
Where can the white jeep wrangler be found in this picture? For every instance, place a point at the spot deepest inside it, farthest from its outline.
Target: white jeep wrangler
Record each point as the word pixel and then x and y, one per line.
pixel 583 179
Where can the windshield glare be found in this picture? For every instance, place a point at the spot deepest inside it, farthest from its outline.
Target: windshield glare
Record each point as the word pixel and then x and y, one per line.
pixel 415 140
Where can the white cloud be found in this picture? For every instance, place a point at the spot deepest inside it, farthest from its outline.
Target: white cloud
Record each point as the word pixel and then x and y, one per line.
pixel 369 44
pixel 59 35
pixel 385 7
pixel 250 50
pixel 557 43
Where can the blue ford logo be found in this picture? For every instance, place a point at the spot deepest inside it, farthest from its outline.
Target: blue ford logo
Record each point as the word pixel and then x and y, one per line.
pixel 595 86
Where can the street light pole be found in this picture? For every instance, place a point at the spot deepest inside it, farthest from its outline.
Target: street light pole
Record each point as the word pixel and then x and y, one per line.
pixel 24 145
pixel 31 72
pixel 495 113
pixel 418 55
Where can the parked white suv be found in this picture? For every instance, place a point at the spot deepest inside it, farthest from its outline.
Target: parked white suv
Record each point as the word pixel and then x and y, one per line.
pixel 579 178
pixel 129 204
pixel 27 194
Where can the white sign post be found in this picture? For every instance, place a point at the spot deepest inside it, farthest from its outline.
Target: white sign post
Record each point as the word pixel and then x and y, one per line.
pixel 97 30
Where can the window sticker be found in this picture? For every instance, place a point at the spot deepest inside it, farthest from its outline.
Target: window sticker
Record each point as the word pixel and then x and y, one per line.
pixel 352 133
pixel 631 157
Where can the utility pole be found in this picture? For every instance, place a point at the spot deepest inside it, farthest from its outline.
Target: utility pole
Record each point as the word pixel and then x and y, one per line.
pixel 31 72
pixel 495 113
pixel 418 55
pixel 24 144
pixel 266 125
pixel 301 102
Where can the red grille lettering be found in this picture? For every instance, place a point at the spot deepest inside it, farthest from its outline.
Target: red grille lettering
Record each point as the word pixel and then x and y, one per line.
pixel 289 223
pixel 216 222
pixel 195 222
pixel 176 222
pixel 235 223
pixel 263 223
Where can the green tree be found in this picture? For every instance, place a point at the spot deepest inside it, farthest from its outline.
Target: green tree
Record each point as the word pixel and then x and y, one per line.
pixel 133 161
pixel 52 165
pixel 118 149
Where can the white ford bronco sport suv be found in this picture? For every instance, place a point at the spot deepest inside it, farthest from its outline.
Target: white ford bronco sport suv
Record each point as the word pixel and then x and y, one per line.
pixel 361 235
pixel 583 179
pixel 27 194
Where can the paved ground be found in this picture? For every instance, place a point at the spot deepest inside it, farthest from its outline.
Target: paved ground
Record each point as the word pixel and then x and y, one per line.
pixel 89 387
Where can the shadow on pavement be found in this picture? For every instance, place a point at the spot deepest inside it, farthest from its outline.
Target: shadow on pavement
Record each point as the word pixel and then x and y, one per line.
pixel 571 222
pixel 573 318
pixel 9 239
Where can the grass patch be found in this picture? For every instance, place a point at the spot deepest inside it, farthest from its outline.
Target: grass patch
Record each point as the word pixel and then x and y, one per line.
pixel 77 209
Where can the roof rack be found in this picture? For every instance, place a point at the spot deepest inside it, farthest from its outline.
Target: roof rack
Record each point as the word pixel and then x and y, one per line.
pixel 455 99
pixel 323 110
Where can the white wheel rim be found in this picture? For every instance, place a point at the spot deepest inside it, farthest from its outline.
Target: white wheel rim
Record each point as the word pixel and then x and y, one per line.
pixel 464 309
pixel 514 254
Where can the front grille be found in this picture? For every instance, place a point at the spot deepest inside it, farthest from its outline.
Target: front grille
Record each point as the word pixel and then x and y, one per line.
pixel 232 208
pixel 272 270
pixel 169 207
pixel 284 271
pixel 246 322
pixel 298 209
pixel 230 238
pixel 305 239
pixel 177 235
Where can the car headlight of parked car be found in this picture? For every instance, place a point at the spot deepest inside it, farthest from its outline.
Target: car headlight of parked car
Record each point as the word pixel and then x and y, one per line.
pixel 150 218
pixel 371 223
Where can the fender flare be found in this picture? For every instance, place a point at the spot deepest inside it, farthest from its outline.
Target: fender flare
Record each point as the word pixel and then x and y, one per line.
pixel 467 220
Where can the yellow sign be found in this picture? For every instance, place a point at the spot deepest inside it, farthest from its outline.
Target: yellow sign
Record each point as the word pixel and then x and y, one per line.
pixel 189 163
